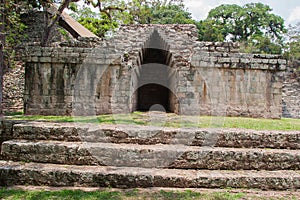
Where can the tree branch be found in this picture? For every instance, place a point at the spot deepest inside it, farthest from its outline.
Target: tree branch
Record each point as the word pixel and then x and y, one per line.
pixel 64 4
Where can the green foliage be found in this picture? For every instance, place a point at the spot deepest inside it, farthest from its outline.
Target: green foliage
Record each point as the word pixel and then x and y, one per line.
pixel 139 11
pixel 13 33
pixel 64 33
pixel 99 22
pixel 158 12
pixel 293 45
pixel 225 18
pixel 134 11
pixel 171 14
pixel 98 26
pixel 13 28
pixel 252 24
pixel 261 44
pixel 295 49
pixel 209 31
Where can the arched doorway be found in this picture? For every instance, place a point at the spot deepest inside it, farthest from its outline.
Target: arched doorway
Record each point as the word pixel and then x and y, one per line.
pixel 155 78
pixel 151 94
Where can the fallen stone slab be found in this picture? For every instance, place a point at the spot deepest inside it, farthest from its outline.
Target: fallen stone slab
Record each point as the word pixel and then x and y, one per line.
pixel 15 173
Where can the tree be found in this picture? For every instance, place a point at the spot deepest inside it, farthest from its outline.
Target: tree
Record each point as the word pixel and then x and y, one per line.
pixel 226 18
pixel 261 44
pixel 109 11
pixel 171 14
pixel 159 12
pixel 11 27
pixel 54 20
pixel 209 31
pixel 252 24
pixel 293 44
pixel 133 12
pixel 98 23
pixel 10 33
pixel 140 11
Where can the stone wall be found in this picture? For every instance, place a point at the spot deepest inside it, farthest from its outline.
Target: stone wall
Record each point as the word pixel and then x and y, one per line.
pixel 291 92
pixel 203 78
pixel 36 23
pixel 13 89
pixel 235 84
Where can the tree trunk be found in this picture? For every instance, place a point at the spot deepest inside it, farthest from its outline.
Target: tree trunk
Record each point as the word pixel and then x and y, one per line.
pixel 46 37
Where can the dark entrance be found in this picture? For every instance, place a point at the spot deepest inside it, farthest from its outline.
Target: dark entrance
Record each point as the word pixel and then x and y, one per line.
pixel 154 77
pixel 151 94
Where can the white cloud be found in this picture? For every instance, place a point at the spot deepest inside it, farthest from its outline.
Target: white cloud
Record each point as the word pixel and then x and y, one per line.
pixel 295 15
pixel 200 8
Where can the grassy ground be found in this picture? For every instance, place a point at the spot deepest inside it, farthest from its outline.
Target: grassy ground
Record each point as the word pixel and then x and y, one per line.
pixel 110 194
pixel 172 120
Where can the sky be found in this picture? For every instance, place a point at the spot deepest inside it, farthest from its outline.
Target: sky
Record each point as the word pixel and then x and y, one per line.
pixel 289 10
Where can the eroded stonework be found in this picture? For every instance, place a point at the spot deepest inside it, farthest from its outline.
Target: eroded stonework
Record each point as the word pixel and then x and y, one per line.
pixel 291 93
pixel 145 65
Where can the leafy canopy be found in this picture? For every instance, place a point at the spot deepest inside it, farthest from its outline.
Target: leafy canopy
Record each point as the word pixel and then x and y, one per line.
pixel 293 44
pixel 133 12
pixel 254 25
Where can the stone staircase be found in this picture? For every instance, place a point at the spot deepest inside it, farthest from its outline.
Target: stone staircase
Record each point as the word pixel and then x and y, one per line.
pixel 127 156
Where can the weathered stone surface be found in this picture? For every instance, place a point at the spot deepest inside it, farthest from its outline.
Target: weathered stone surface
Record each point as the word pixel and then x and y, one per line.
pixel 6 129
pixel 12 173
pixel 36 23
pixel 224 55
pixel 239 138
pixel 98 156
pixel 47 152
pixel 150 156
pixel 108 78
pixel 13 89
pixel 49 131
pixel 291 93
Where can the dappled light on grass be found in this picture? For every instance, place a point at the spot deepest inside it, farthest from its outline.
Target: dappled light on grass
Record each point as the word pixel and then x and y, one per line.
pixel 173 120
pixel 117 195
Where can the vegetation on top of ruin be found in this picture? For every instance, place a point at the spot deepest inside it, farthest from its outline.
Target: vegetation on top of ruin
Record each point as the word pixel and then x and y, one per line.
pixel 253 25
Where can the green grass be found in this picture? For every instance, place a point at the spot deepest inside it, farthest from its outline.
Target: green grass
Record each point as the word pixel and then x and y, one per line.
pixel 62 194
pixel 172 120
pixel 132 194
pixel 8 194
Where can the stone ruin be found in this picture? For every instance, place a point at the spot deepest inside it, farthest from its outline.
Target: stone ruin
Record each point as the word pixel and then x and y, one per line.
pixel 150 67
pixel 291 92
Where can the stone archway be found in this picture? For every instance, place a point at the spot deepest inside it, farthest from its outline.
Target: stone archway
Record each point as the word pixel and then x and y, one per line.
pixel 152 94
pixel 155 76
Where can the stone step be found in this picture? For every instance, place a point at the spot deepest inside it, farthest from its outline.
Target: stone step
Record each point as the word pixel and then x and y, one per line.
pixel 155 135
pixel 15 173
pixel 150 156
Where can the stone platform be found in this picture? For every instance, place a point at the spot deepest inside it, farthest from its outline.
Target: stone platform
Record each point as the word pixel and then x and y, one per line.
pixel 127 156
